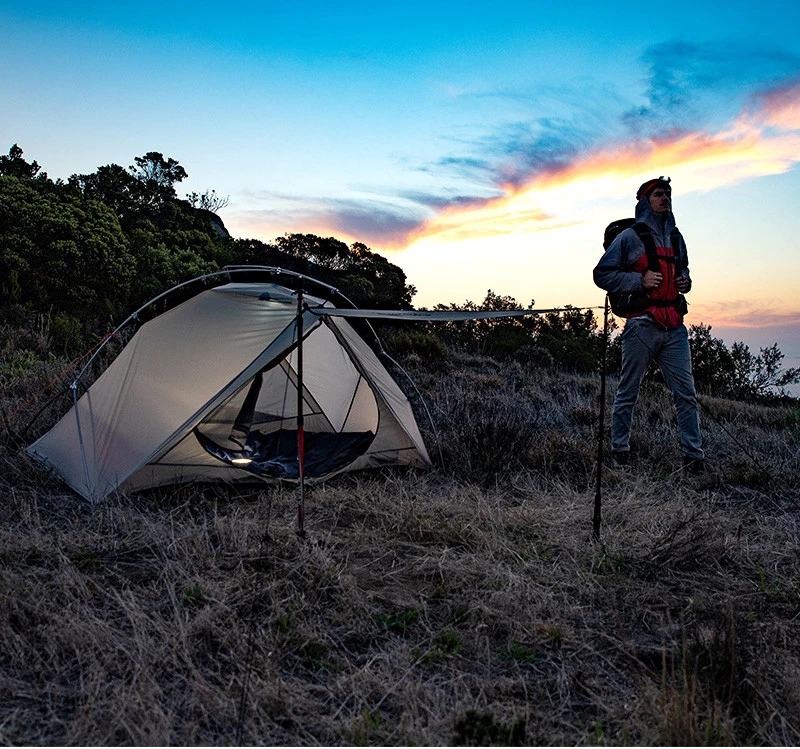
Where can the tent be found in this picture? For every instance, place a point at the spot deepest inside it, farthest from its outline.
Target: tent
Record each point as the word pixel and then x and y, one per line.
pixel 211 390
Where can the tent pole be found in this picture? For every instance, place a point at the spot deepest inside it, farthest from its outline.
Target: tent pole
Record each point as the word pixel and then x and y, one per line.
pixel 301 453
pixel 74 388
pixel 597 496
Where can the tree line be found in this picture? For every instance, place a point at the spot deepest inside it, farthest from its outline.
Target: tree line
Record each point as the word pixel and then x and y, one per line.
pixel 90 249
pixel 87 251
pixel 574 339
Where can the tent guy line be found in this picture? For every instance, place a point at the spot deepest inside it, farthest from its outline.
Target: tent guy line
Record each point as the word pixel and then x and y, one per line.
pixel 438 315
pixel 421 315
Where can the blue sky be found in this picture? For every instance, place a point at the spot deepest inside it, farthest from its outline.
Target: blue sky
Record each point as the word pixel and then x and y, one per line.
pixel 479 145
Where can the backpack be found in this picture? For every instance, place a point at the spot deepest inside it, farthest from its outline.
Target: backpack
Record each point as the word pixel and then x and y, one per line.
pixel 632 302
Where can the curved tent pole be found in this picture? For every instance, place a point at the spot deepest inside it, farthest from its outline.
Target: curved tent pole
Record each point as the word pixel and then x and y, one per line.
pixel 227 271
pixel 277 271
pixel 302 277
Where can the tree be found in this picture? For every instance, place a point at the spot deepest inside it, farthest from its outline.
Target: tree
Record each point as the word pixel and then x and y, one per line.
pixel 138 193
pixel 14 165
pixel 571 337
pixel 60 251
pixel 102 244
pixel 157 176
pixel 325 252
pixel 208 201
pixel 116 187
pixel 153 167
pixel 365 277
pixel 761 376
pixel 493 337
pixel 737 372
pixel 712 364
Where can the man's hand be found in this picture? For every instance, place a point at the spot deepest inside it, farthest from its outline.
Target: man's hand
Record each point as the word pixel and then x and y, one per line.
pixel 682 284
pixel 651 280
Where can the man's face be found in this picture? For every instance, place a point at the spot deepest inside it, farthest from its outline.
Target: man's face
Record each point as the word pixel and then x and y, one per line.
pixel 661 199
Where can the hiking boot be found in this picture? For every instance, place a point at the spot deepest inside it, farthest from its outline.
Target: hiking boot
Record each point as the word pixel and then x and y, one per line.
pixel 622 458
pixel 695 466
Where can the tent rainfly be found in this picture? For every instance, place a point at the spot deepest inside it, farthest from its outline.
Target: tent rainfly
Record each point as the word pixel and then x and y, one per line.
pixel 208 391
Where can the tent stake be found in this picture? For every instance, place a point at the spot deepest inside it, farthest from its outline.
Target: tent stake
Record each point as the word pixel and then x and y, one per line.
pixel 597 495
pixel 301 448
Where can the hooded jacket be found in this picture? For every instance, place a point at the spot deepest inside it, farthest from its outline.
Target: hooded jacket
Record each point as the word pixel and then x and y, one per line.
pixel 624 263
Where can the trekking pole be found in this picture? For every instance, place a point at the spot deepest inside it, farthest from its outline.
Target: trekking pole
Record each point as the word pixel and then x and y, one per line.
pixel 597 495
pixel 301 448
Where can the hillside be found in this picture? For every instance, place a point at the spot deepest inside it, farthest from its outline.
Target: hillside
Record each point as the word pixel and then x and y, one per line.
pixel 466 604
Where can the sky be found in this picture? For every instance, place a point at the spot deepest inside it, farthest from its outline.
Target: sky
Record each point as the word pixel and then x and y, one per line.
pixel 478 145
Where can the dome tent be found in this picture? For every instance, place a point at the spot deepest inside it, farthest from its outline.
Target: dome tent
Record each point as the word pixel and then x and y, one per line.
pixel 211 391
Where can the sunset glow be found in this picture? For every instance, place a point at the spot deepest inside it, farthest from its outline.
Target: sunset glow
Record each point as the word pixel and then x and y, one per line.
pixel 478 146
pixel 704 161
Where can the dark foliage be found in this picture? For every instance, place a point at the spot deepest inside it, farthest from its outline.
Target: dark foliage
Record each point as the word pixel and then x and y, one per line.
pixel 570 339
pixel 364 277
pixel 737 372
pixel 93 249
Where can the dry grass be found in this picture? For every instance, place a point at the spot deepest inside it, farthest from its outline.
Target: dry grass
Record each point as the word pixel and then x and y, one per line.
pixel 463 605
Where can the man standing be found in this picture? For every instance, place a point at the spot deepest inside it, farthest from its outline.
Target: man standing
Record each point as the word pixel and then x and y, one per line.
pixel 648 264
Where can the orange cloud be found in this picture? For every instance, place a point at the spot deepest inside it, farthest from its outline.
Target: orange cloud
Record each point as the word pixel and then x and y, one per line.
pixel 701 160
pixel 495 217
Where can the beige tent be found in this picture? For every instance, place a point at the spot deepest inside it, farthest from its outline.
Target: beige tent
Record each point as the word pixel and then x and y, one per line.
pixel 208 391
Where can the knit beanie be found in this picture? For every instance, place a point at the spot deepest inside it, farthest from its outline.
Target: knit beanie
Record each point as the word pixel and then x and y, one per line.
pixel 650 185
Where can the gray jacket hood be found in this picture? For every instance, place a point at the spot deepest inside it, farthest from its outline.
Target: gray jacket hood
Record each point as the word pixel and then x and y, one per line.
pixel 661 225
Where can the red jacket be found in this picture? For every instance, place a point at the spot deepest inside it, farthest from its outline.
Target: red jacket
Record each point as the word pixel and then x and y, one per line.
pixel 669 317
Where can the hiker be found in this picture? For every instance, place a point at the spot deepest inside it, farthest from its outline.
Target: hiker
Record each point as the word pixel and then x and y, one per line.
pixel 645 269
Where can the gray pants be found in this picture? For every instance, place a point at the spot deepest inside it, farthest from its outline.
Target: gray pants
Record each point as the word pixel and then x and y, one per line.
pixel 643 341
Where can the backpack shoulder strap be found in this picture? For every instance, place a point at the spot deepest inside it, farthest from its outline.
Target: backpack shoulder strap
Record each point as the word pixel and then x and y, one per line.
pixel 675 238
pixel 646 235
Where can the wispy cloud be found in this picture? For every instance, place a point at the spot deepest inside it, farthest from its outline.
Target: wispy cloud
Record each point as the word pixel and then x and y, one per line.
pixel 762 139
pixel 689 84
pixel 704 115
pixel 556 125
pixel 689 89
pixel 385 223
pixel 778 106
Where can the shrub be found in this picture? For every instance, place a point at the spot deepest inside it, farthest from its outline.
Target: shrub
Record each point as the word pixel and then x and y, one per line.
pixel 427 346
